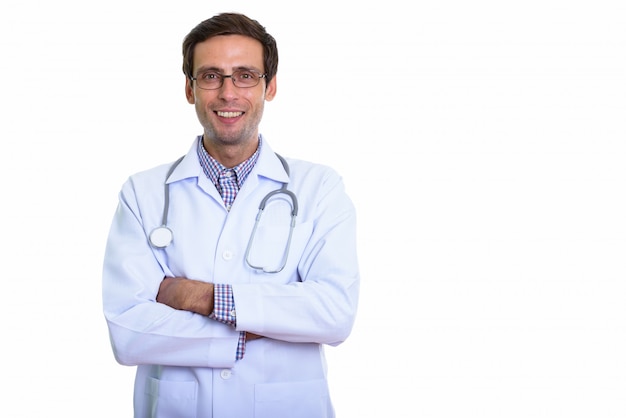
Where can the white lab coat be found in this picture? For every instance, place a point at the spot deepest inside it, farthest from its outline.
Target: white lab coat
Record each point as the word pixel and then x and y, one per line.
pixel 186 362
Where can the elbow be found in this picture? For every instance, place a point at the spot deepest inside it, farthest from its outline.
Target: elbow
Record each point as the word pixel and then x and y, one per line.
pixel 342 317
pixel 121 352
pixel 344 329
pixel 125 344
pixel 122 359
pixel 337 328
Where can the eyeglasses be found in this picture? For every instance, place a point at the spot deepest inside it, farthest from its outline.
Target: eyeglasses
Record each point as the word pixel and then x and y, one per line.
pixel 213 80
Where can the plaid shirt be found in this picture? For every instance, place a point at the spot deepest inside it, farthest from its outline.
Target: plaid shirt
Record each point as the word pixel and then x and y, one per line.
pixel 227 181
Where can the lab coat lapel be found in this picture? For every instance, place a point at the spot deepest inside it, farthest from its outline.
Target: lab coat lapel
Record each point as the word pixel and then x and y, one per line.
pixel 268 174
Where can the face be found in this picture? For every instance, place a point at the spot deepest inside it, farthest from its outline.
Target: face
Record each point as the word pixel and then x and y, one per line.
pixel 229 115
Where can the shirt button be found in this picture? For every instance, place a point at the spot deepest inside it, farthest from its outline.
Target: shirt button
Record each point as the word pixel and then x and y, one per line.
pixel 226 374
pixel 227 255
pixel 233 313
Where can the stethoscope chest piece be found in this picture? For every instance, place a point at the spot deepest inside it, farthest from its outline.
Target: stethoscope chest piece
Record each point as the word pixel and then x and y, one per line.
pixel 161 237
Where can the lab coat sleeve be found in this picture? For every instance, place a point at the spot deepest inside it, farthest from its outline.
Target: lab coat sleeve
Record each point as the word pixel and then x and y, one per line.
pixel 320 305
pixel 143 331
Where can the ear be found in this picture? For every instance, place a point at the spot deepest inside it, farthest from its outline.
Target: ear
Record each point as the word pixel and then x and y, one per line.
pixel 191 98
pixel 270 90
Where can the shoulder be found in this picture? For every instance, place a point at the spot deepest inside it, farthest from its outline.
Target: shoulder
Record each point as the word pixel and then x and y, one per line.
pixel 305 168
pixel 154 174
pixel 185 166
pixel 313 178
pixel 149 180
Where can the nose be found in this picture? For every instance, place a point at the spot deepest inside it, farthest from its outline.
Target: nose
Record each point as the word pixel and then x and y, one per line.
pixel 228 88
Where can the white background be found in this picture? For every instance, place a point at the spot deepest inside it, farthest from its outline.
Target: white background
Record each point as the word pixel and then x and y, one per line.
pixel 483 143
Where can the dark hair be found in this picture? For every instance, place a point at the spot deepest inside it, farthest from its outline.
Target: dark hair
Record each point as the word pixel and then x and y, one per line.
pixel 231 24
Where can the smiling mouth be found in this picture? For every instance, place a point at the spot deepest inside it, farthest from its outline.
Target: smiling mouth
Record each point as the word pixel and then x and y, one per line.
pixel 229 114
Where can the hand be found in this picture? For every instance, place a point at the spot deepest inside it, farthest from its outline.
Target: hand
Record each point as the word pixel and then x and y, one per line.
pixel 186 294
pixel 250 336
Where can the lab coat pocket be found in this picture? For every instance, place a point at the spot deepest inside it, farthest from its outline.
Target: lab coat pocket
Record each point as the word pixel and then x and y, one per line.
pixel 167 399
pixel 307 399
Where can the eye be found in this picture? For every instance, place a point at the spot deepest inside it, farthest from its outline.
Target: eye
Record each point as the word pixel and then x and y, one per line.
pixel 246 75
pixel 209 76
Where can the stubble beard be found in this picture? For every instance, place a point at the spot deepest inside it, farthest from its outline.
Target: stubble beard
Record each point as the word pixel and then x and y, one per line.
pixel 232 138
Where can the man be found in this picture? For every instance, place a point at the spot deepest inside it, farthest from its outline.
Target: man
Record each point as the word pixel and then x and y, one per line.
pixel 225 313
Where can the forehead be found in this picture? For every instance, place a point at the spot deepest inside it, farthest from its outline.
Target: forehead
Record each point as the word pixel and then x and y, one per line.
pixel 227 52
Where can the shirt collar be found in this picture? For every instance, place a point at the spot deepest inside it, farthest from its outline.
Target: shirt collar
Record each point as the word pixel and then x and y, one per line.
pixel 213 168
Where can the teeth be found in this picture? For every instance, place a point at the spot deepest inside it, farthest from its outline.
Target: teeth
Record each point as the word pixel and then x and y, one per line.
pixel 229 114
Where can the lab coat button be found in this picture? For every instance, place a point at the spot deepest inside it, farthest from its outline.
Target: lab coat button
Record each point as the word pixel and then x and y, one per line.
pixel 227 255
pixel 226 374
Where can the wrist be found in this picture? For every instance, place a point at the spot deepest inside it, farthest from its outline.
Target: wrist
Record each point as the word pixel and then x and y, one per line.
pixel 201 298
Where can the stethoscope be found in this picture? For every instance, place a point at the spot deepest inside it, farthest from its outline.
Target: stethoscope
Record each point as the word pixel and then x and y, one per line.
pixel 162 236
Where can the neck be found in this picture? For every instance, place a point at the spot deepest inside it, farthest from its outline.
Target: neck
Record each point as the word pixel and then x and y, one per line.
pixel 230 155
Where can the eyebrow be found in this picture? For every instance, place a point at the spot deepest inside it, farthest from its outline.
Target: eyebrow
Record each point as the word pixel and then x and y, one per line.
pixel 220 70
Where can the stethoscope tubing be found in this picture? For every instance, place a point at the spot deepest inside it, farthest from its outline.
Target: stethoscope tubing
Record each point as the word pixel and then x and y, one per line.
pixel 162 236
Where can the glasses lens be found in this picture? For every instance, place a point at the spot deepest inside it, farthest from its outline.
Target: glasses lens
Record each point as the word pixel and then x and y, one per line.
pixel 209 80
pixel 212 80
pixel 245 78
